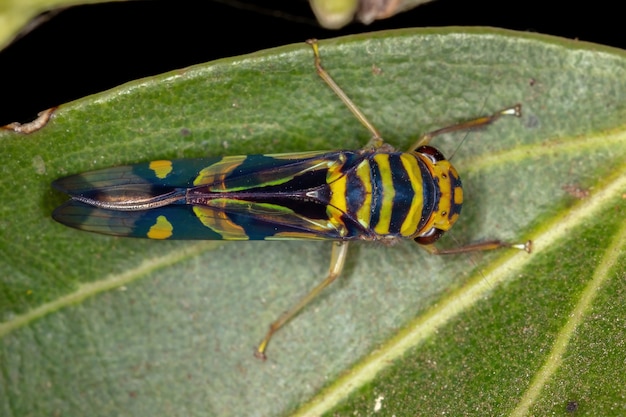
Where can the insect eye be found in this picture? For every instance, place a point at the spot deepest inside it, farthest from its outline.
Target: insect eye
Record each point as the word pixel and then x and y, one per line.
pixel 429 237
pixel 429 233
pixel 431 153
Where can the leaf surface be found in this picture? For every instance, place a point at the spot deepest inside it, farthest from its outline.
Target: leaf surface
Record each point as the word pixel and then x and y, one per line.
pixel 94 325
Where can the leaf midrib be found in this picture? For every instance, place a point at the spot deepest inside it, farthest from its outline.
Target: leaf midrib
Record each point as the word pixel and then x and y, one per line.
pixel 107 283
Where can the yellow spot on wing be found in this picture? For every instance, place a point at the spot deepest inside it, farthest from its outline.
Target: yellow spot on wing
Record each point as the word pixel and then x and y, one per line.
pixel 161 168
pixel 162 229
pixel 214 174
pixel 334 220
pixel 334 169
pixel 215 219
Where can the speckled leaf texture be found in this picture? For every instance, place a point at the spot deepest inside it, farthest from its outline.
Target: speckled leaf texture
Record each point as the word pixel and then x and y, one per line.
pixel 98 326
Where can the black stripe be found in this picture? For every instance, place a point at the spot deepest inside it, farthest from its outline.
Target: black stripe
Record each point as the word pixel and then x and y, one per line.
pixel 377 192
pixel 355 193
pixel 403 196
pixel 430 194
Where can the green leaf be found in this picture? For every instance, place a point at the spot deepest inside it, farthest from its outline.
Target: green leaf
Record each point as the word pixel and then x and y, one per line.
pixel 94 325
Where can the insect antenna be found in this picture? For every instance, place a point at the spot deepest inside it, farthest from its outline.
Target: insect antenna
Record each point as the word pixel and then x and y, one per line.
pixel 467 132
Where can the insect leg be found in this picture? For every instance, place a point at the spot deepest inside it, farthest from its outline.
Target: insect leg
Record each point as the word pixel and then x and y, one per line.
pixel 425 139
pixel 337 261
pixel 376 140
pixel 479 246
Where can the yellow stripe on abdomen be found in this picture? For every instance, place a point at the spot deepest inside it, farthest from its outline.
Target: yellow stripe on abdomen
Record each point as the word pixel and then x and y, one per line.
pixel 413 217
pixel 388 193
pixel 364 213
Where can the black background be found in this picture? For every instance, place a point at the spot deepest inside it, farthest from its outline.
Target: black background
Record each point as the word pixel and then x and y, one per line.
pixel 87 49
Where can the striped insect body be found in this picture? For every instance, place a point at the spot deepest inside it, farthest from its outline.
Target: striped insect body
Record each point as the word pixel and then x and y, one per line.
pixel 337 195
pixel 374 194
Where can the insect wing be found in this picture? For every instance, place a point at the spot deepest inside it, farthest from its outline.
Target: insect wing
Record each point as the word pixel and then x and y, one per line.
pixel 155 175
pixel 169 222
pixel 247 220
pixel 257 196
pixel 224 216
